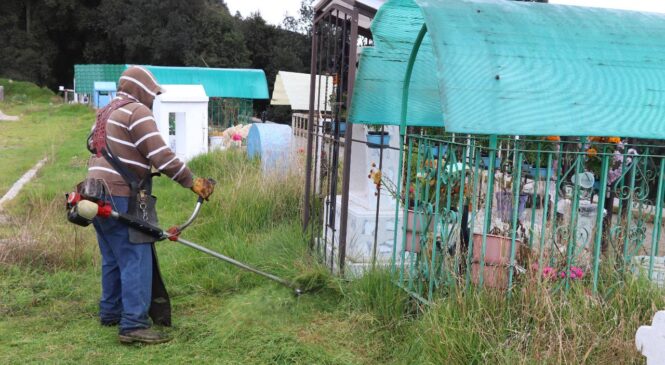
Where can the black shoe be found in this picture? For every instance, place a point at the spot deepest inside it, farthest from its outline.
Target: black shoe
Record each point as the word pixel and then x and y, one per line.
pixel 109 323
pixel 143 335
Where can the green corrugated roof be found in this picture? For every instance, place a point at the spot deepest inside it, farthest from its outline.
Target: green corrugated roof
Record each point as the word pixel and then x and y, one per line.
pixel 218 82
pixel 380 76
pixel 86 75
pixel 521 68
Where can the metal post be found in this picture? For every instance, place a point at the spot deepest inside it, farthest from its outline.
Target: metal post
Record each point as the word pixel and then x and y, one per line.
pixel 488 206
pixel 378 205
pixel 599 218
pixel 310 130
pixel 658 220
pixel 348 137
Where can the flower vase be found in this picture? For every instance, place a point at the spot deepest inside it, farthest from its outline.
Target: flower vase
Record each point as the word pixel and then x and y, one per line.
pixel 497 260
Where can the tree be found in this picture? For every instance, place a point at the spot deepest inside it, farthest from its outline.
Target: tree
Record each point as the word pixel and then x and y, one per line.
pixel 302 24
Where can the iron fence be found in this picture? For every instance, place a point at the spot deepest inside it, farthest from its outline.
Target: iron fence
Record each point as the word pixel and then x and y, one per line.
pixel 492 211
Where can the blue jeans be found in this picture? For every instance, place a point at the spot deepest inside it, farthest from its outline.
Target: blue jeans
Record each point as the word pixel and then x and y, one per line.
pixel 126 273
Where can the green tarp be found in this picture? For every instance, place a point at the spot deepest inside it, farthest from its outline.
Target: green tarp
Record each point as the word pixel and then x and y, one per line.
pixel 519 68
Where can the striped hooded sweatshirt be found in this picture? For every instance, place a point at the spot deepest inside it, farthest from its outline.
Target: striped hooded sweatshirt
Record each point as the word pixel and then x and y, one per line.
pixel 133 137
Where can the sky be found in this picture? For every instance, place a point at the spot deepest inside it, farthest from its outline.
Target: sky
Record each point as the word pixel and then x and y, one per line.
pixel 641 5
pixel 274 10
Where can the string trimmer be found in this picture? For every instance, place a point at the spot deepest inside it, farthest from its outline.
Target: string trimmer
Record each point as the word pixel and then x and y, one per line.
pixel 84 210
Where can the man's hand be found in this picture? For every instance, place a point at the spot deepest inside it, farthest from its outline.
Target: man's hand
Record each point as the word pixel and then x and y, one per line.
pixel 203 187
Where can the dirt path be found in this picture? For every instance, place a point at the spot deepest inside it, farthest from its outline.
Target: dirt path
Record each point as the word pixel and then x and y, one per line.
pixel 8 118
pixel 18 185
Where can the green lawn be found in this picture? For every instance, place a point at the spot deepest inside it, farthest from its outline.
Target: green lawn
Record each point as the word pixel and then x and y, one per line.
pixel 49 283
pixel 45 123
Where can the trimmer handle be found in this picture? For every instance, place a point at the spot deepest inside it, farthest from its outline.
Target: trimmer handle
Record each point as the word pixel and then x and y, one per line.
pixel 195 213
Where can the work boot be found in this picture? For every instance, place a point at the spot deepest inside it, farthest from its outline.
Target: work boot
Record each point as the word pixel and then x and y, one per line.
pixel 143 335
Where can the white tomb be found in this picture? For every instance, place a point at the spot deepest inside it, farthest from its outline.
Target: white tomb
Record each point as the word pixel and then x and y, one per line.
pixel 187 106
pixel 362 206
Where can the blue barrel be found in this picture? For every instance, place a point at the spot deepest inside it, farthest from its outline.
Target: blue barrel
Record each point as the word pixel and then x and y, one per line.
pixel 272 143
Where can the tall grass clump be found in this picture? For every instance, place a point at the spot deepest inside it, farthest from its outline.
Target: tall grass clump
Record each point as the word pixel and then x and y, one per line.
pixel 540 323
pixel 252 217
pixel 250 200
pixel 377 294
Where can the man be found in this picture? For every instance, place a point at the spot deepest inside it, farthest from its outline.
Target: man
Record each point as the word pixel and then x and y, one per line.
pixel 126 145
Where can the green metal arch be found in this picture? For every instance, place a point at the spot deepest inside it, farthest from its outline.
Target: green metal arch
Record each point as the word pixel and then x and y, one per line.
pixel 407 77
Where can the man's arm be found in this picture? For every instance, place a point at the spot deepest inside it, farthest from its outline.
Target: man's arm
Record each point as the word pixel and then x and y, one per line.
pixel 143 129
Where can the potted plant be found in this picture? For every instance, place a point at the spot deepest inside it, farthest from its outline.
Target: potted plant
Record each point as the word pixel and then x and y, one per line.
pixel 417 220
pixel 377 137
pixel 536 156
pixel 420 197
pixel 337 124
pixel 439 139
pixel 497 258
pixel 499 239
pixel 216 139
pixel 504 197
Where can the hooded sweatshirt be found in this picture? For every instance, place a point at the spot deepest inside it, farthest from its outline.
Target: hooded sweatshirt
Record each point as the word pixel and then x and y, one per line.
pixel 133 137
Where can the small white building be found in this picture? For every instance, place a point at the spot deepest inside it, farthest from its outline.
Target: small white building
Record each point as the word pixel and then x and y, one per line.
pixel 181 113
pixel 292 88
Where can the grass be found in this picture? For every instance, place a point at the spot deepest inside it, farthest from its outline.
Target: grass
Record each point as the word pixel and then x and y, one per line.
pixel 45 123
pixel 49 285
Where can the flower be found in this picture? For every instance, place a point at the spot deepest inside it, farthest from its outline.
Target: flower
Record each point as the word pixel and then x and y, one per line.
pixel 549 272
pixel 614 140
pixel 236 137
pixel 375 176
pixel 592 152
pixel 553 138
pixel 578 272
pixel 575 273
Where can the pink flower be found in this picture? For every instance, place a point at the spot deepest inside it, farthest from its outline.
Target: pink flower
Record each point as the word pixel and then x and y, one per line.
pixel 575 273
pixel 549 272
pixel 236 137
pixel 578 272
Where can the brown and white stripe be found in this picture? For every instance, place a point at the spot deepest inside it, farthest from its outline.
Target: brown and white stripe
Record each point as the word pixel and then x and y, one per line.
pixel 133 137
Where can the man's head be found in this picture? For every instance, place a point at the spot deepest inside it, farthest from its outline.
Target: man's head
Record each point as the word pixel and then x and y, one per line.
pixel 140 84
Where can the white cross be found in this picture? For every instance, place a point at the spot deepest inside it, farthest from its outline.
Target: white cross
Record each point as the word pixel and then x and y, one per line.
pixel 650 340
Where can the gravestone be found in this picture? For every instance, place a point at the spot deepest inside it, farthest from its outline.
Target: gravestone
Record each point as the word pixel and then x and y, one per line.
pixel 362 209
pixel 650 340
pixel 2 93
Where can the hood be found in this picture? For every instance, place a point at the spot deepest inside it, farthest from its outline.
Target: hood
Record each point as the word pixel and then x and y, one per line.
pixel 140 84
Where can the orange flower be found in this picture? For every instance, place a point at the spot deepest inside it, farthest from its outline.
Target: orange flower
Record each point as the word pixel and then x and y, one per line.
pixel 592 152
pixel 614 140
pixel 376 177
pixel 553 138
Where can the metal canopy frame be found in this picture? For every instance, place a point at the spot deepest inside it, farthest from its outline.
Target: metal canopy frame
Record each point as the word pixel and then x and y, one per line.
pixel 338 29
